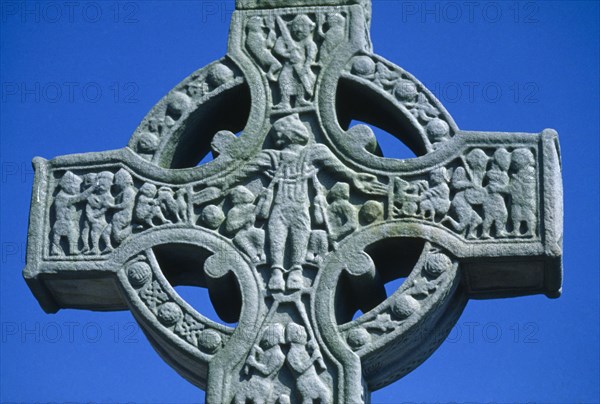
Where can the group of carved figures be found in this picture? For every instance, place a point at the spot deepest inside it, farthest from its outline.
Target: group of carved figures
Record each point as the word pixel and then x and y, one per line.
pixel 288 52
pixel 296 233
pixel 109 205
pixel 281 345
pixel 483 185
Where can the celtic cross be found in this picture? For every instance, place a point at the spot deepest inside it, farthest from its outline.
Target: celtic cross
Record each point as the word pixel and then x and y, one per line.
pixel 299 220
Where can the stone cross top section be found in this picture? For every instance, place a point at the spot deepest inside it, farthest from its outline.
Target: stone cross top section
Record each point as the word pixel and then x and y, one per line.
pixel 299 220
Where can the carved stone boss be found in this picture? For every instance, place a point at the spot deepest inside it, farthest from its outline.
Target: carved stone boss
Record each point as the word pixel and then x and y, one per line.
pixel 299 220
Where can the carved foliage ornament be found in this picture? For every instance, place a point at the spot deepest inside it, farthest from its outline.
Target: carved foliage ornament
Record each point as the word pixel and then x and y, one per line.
pixel 298 220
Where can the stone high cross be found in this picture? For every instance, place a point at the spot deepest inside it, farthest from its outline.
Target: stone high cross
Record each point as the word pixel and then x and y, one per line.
pixel 299 221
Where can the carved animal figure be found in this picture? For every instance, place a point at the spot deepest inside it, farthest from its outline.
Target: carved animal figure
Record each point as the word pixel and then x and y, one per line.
pixel 168 204
pixel 147 208
pixel 385 77
pixel 406 197
pixel 181 204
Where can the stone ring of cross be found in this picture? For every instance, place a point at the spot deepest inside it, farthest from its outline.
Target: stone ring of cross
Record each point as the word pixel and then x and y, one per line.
pixel 298 221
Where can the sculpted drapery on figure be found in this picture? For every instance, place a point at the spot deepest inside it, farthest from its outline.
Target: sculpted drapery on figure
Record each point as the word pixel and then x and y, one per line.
pixel 299 220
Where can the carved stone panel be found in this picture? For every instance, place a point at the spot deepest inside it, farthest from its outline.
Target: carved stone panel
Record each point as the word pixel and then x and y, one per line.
pixel 297 223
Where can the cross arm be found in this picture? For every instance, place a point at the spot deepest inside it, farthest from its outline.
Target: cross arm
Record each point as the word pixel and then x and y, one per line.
pixel 83 208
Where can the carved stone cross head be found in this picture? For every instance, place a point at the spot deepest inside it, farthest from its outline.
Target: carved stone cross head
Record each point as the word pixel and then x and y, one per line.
pixel 299 220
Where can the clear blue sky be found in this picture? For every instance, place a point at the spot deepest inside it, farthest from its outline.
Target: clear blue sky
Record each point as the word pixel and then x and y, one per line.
pixel 80 78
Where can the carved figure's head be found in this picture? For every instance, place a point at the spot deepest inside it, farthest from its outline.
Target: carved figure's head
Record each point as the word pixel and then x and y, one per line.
pixel 221 142
pixel 295 334
pixel 70 183
pixel 212 216
pixel 335 20
pixel 273 335
pixel 89 180
pixel 148 190
pixel 522 158
pixel 502 158
pixel 301 27
pixel 439 175
pixel 123 178
pixel 370 212
pixel 254 24
pixel 241 195
pixel 459 175
pixel 165 191
pixel 477 159
pixel 290 130
pixel 340 191
pixel 105 181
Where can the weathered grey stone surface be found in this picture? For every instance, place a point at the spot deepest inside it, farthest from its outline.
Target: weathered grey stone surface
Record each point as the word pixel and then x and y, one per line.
pixel 299 221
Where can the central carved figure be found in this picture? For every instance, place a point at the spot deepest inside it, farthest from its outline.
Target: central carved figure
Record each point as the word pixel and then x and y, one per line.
pixel 292 170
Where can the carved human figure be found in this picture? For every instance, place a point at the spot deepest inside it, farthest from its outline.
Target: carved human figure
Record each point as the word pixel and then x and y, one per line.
pixel 147 207
pixel 89 181
pixel 65 223
pixel 477 160
pixel 263 364
pixel 494 206
pixel 335 34
pixel 285 202
pixel 260 43
pixel 342 217
pixel 124 204
pixel 98 204
pixel 298 51
pixel 523 192
pixel 240 222
pixel 435 200
pixel 301 360
pixel 468 220
pixel 318 244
